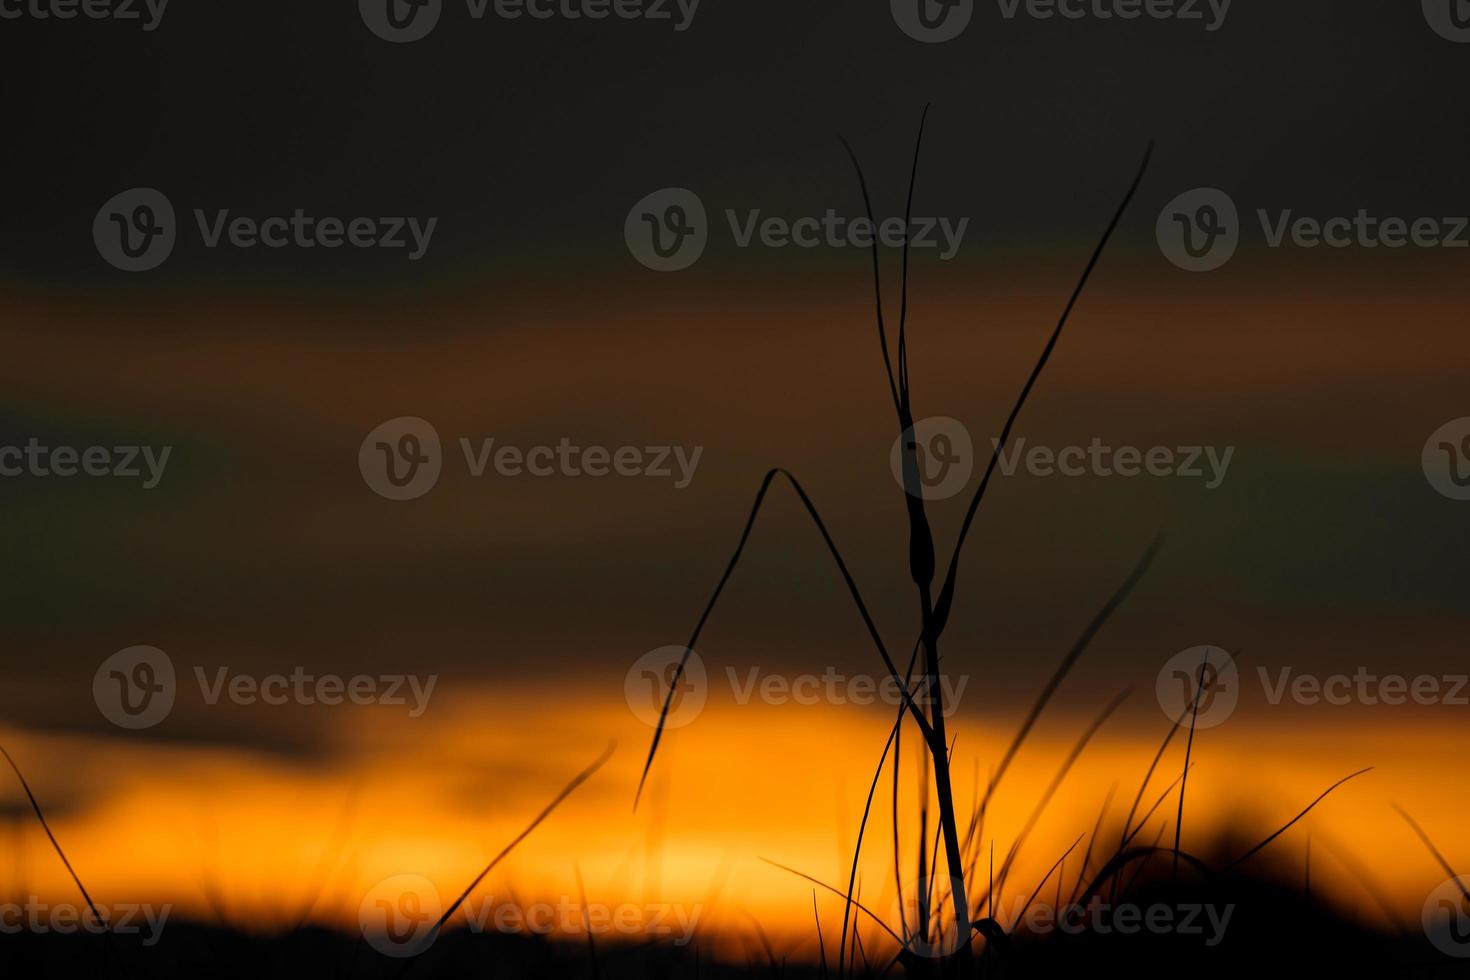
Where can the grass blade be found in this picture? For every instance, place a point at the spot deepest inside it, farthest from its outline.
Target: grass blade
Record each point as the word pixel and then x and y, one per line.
pixel 946 592
pixel 720 587
pixel 557 801
pixel 1253 851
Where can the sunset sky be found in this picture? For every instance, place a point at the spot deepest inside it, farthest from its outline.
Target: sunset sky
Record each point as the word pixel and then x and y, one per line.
pixel 1324 549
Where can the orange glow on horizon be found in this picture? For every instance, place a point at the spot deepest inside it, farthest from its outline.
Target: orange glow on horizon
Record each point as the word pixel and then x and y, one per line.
pixel 249 838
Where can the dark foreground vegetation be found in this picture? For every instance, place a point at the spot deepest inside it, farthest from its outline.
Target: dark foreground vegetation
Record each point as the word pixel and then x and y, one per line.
pixel 1275 928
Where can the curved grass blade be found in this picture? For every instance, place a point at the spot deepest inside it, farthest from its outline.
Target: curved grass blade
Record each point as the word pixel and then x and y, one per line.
pixel 1253 851
pixel 1120 861
pixel 1042 884
pixel 1056 782
pixel 1188 749
pixel 855 903
pixel 891 744
pixel 877 277
pixel 55 844
pixel 1070 661
pixel 821 942
pixel 720 587
pixel 908 218
pixel 946 593
pixel 97 916
pixel 1432 849
pixel 557 801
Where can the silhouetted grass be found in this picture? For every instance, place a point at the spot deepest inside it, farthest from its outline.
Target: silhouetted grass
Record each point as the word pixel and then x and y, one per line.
pixel 934 611
pixel 1008 946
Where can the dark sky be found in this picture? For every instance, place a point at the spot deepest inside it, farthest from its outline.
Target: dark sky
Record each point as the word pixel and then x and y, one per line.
pixel 530 139
pixel 529 321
